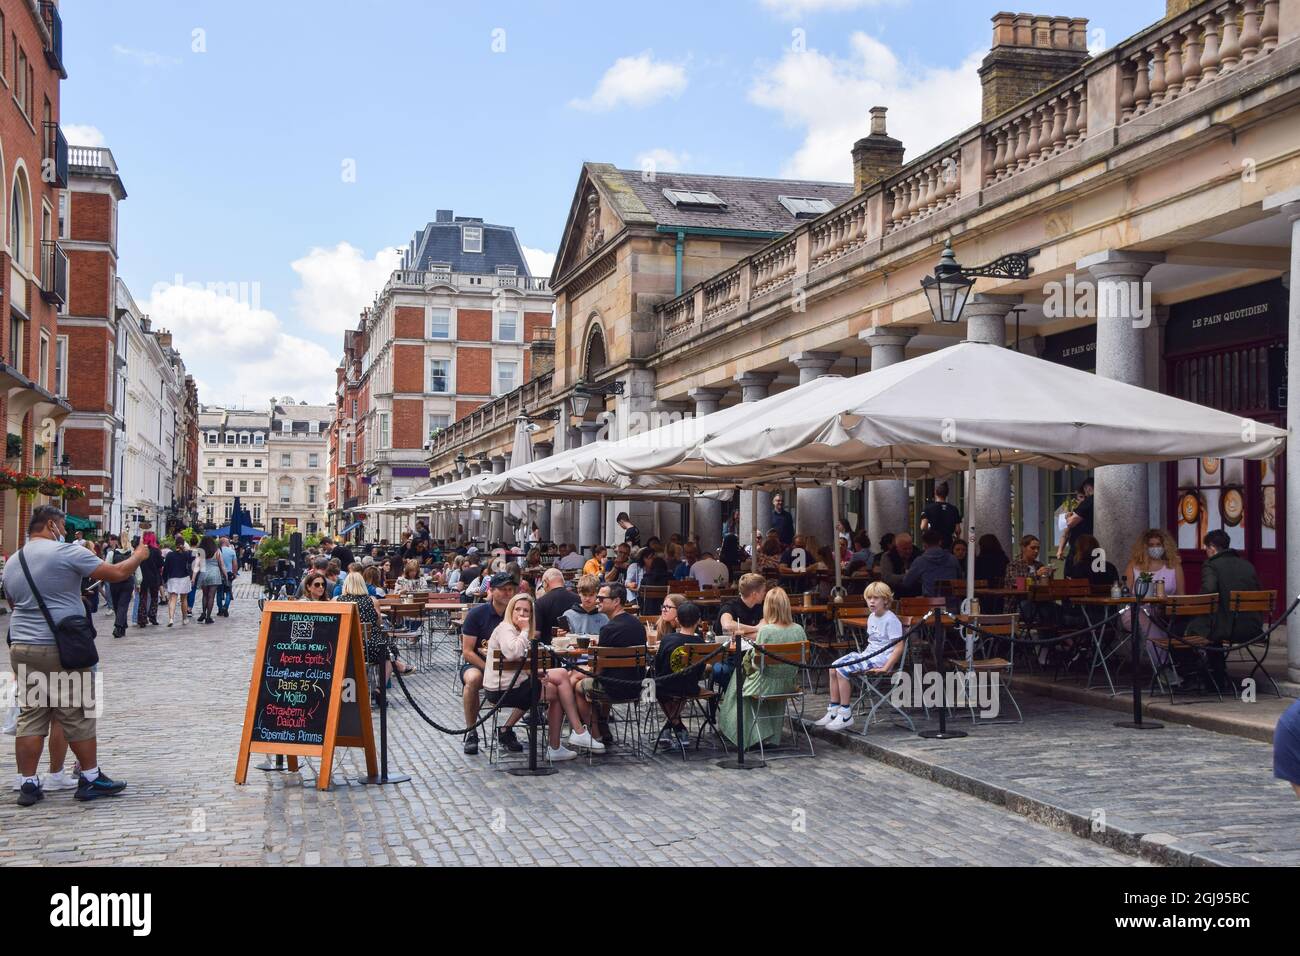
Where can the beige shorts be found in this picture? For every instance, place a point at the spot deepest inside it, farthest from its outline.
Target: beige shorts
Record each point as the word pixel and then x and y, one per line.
pixel 49 691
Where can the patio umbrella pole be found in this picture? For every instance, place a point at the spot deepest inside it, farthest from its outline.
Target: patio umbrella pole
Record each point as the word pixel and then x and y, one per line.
pixel 753 524
pixel 1137 723
pixel 837 595
pixel 532 770
pixel 943 733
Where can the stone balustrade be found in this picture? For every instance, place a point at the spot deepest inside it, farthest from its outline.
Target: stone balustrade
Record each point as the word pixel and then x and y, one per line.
pixel 773 267
pixel 1207 43
pixel 839 232
pixel 678 316
pixel 722 294
pixel 922 191
pixel 1048 125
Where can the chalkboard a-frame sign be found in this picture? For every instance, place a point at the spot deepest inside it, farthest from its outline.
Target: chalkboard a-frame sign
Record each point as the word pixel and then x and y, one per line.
pixel 308 691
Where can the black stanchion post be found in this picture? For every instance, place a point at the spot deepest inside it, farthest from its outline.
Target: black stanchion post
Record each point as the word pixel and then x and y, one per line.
pixel 532 770
pixel 943 733
pixel 384 776
pixel 738 675
pixel 268 765
pixel 1137 723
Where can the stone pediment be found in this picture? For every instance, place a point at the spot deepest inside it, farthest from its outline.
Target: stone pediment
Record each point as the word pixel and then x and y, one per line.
pixel 602 205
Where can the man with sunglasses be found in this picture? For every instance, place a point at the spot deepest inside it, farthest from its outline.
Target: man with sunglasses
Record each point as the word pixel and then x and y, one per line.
pixel 622 630
pixel 56 567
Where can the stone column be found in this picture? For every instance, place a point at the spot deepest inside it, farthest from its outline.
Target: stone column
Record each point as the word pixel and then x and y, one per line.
pixel 754 388
pixel 1289 204
pixel 668 514
pixel 1120 506
pixel 887 500
pixel 986 321
pixel 496 511
pixel 542 449
pixel 707 518
pixel 475 526
pixel 564 522
pixel 812 506
pixel 589 510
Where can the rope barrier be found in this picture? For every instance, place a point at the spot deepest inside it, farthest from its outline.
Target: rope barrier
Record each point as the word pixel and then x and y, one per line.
pixel 863 655
pixel 1262 635
pixel 447 730
pixel 1033 641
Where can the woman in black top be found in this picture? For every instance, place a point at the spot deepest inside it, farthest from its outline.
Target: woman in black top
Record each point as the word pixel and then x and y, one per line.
pixel 376 641
pixel 991 566
pixel 1078 563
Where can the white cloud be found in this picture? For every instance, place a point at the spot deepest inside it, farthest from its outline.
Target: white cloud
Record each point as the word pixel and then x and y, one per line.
pixel 540 262
pixel 78 135
pixel 237 351
pixel 146 58
pixel 829 98
pixel 634 81
pixel 662 160
pixel 336 284
pixel 794 8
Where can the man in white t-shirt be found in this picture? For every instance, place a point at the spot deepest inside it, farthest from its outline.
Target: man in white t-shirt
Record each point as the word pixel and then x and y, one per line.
pixel 710 572
pixel 572 560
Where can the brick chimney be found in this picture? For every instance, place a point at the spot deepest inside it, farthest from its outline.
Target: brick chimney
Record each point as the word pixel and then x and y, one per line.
pixel 164 338
pixel 877 155
pixel 542 349
pixel 1029 54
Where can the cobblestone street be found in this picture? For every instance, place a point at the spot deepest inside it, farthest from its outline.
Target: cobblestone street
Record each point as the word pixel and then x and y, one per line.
pixel 174 701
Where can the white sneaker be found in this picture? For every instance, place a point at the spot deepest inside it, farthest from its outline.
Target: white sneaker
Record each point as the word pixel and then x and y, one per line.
pixel 584 741
pixel 18 781
pixel 831 714
pixel 559 753
pixel 63 780
pixel 840 723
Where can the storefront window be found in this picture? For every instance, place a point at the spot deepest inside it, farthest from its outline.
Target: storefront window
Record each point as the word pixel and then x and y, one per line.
pixel 1211 494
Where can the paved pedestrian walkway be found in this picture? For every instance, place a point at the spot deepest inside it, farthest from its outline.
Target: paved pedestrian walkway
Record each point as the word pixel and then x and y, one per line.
pixel 174 702
pixel 1180 795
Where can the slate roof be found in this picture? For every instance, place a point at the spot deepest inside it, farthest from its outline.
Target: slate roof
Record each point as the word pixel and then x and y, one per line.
pixel 751 203
pixel 440 241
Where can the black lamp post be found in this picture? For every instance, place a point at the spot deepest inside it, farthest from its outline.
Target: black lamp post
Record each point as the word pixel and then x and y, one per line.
pixel 65 466
pixel 948 288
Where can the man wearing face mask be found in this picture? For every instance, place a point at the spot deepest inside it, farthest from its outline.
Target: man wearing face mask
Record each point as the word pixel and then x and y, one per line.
pixel 1223 572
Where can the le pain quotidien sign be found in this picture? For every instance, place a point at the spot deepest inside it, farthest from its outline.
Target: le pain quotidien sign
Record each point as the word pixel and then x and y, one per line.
pixel 308 694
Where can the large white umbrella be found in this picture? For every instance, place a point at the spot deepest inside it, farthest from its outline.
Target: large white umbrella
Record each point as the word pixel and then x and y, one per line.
pixel 521 512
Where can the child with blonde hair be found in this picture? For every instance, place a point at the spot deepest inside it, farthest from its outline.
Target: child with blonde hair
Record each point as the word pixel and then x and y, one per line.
pixel 883 628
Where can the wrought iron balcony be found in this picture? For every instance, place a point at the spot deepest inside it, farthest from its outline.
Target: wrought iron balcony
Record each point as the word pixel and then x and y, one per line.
pixel 54 23
pixel 54 272
pixel 56 156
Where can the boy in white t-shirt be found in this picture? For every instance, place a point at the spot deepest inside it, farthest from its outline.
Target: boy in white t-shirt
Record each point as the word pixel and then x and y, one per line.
pixel 883 628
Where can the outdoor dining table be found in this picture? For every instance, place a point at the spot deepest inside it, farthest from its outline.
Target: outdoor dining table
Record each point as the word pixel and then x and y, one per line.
pixel 1096 608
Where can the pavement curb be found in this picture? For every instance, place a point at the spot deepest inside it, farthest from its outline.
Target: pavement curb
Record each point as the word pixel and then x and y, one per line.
pixel 1156 709
pixel 1125 836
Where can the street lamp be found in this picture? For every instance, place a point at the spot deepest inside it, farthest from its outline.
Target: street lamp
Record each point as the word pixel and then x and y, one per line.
pixel 583 392
pixel 949 287
pixel 65 466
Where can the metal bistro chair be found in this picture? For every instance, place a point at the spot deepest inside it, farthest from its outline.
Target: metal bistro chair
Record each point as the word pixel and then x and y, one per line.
pixel 620 710
pixel 987 660
pixel 1176 611
pixel 874 692
pixel 1263 603
pixel 795 654
pixel 401 634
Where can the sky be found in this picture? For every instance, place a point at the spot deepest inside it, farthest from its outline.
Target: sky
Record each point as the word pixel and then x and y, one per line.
pixel 276 155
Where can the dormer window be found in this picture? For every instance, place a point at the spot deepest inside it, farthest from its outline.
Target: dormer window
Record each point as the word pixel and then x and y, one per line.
pixel 688 199
pixel 506 270
pixel 471 238
pixel 806 207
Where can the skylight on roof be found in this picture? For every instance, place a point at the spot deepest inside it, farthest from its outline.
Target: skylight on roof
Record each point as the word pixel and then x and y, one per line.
pixel 685 198
pixel 806 207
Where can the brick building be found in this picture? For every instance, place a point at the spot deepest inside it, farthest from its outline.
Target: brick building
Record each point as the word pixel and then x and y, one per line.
pixel 88 330
pixel 34 163
pixel 448 332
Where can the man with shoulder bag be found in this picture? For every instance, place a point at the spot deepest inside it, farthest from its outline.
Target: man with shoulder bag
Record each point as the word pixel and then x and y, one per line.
pixel 52 644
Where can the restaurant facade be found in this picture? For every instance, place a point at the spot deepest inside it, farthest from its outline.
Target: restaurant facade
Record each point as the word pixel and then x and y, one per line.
pixel 1155 187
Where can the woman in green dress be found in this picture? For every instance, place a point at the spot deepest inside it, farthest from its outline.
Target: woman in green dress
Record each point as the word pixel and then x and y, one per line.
pixel 764 719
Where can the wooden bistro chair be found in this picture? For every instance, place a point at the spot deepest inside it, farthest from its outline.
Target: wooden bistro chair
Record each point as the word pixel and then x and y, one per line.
pixel 507 670
pixel 916 608
pixel 1263 603
pixel 794 653
pixel 652 597
pixel 990 658
pixel 1177 611
pixel 874 692
pixel 623 711
pixel 401 616
pixel 701 706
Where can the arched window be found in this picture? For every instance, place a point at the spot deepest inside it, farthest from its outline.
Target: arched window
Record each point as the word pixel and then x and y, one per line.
pixel 20 221
pixel 596 360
